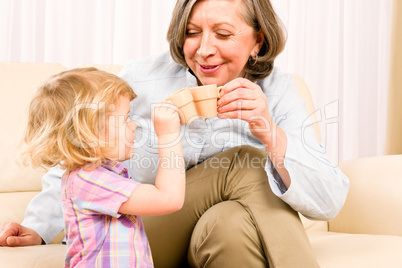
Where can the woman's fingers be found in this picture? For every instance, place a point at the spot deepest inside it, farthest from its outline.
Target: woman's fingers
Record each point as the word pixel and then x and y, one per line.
pixel 242 99
pixel 246 115
pixel 239 104
pixel 240 89
pixel 13 234
pixel 238 83
pixel 237 94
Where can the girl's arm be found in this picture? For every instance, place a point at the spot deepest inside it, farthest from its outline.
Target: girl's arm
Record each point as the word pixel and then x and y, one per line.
pixel 167 195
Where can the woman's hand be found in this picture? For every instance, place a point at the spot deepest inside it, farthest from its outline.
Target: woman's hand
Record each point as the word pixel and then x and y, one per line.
pixel 245 100
pixel 13 234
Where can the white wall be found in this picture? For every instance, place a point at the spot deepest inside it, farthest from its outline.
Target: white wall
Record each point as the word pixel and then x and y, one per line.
pixel 340 48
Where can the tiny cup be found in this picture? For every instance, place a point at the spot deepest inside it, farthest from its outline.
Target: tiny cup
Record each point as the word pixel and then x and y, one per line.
pixel 205 100
pixel 183 100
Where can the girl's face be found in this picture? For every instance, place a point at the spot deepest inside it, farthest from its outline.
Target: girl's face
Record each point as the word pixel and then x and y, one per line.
pixel 218 41
pixel 120 133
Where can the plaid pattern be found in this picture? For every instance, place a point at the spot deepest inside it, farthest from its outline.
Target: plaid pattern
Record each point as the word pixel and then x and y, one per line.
pixel 97 235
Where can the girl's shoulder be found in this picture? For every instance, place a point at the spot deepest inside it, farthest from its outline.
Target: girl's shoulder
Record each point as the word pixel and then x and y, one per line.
pixel 89 178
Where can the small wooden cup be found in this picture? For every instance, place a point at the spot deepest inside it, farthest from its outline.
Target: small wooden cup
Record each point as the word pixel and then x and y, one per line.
pixel 184 101
pixel 205 100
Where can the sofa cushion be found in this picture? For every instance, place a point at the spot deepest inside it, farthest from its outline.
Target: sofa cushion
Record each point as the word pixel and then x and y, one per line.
pixel 13 205
pixel 33 256
pixel 313 225
pixel 18 81
pixel 373 205
pixel 334 250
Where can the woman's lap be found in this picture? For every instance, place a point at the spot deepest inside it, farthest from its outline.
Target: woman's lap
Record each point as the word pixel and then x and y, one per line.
pixel 234 175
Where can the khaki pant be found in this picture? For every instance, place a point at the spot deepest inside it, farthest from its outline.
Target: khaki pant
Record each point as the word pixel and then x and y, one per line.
pixel 230 218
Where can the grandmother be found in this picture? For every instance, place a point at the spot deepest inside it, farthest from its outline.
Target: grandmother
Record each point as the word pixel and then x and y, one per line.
pixel 248 172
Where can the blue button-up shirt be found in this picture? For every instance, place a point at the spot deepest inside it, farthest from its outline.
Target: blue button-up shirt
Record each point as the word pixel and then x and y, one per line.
pixel 318 188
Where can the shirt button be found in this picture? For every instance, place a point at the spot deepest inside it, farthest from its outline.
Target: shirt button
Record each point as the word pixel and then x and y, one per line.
pixel 150 144
pixel 200 140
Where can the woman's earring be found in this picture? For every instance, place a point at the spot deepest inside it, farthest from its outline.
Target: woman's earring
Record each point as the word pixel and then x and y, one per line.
pixel 253 60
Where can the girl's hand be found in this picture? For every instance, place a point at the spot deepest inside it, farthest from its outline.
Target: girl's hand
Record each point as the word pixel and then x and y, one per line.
pixel 166 120
pixel 245 100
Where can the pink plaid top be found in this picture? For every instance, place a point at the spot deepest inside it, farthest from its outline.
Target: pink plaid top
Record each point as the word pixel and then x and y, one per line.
pixel 97 235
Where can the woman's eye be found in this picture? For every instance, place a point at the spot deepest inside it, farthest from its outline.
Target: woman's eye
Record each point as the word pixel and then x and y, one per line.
pixel 190 33
pixel 224 35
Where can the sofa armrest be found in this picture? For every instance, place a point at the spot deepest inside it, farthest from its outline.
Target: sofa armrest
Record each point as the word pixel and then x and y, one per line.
pixel 13 205
pixel 374 202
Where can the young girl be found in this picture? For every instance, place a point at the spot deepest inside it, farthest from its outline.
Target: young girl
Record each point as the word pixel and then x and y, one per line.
pixel 79 119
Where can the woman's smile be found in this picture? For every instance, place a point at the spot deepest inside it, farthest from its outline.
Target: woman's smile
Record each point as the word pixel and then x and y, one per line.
pixel 209 69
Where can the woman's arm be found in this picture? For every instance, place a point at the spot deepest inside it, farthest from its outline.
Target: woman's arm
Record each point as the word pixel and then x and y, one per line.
pixel 44 213
pixel 43 217
pixel 300 174
pixel 245 100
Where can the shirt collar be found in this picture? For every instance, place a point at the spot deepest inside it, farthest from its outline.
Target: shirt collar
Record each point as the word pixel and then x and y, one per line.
pixel 191 80
pixel 114 166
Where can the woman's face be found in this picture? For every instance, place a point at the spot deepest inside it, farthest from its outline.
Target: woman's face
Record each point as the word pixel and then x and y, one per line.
pixel 218 41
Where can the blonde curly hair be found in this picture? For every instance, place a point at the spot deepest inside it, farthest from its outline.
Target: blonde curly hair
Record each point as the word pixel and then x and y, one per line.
pixel 67 119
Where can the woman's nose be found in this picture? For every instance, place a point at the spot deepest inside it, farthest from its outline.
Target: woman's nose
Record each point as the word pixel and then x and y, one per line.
pixel 207 47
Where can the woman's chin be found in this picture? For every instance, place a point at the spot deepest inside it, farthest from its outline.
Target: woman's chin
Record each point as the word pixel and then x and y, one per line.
pixel 211 80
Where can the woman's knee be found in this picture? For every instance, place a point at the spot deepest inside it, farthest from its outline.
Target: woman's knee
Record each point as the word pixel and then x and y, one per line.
pixel 225 235
pixel 222 220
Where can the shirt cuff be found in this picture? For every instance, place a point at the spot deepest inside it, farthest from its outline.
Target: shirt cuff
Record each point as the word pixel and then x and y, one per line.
pixel 289 195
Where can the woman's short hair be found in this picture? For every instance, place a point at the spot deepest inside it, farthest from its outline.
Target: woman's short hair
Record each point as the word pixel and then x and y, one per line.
pixel 67 118
pixel 259 14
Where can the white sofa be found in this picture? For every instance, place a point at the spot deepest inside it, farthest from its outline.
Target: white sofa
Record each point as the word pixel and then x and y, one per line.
pixel 366 233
